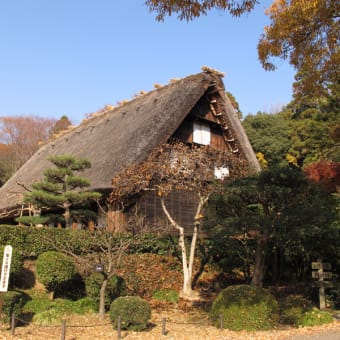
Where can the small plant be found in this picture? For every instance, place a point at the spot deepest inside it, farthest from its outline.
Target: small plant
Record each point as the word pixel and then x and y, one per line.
pixel 245 307
pixel 38 302
pixel 314 317
pixel 50 312
pixel 116 287
pixel 53 269
pixel 84 305
pixel 166 295
pixel 50 317
pixel 133 312
pixel 12 303
pixel 292 308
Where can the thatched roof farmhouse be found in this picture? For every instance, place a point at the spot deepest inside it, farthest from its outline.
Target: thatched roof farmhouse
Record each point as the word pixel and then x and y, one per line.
pixel 128 133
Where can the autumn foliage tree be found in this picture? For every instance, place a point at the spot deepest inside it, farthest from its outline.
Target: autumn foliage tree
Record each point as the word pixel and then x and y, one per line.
pixel 188 10
pixel 326 173
pixel 307 34
pixel 21 137
pixel 178 167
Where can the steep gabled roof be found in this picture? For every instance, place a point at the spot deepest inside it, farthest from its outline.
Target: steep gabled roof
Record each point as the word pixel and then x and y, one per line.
pixel 126 134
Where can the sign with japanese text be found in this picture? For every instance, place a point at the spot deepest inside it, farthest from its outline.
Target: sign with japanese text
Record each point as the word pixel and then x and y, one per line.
pixel 6 266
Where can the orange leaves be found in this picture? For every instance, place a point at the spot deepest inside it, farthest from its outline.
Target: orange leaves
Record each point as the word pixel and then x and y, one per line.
pixel 305 32
pixel 22 135
pixel 325 172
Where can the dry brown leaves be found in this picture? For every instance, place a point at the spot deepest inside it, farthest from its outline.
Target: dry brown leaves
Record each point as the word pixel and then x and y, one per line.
pixel 180 325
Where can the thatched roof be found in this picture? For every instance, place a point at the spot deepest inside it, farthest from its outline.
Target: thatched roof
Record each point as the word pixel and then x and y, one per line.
pixel 125 135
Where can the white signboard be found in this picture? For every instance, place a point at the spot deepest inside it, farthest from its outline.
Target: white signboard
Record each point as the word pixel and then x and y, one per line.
pixel 6 266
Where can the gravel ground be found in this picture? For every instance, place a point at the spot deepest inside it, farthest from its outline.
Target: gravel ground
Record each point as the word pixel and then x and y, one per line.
pixel 179 326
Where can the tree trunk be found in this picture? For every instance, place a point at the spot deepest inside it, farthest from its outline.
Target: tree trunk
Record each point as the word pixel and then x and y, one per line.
pixel 260 255
pixel 187 291
pixel 67 215
pixel 102 298
pixel 50 296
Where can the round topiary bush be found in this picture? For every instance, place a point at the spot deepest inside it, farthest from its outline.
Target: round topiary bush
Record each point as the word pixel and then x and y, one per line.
pixel 133 311
pixel 292 308
pixel 116 287
pixel 53 269
pixel 245 307
pixel 314 317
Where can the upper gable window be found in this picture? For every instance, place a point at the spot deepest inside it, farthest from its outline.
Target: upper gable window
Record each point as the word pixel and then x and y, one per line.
pixel 201 133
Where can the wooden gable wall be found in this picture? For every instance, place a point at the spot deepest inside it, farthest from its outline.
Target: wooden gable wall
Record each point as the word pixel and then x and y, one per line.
pixel 201 113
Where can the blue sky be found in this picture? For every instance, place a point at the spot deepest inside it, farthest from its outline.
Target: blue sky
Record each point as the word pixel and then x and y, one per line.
pixel 72 57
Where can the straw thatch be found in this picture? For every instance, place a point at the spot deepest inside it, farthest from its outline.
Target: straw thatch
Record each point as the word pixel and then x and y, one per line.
pixel 126 134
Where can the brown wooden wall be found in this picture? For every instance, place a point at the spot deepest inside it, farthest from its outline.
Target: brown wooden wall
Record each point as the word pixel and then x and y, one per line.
pixel 181 204
pixel 185 133
pixel 201 112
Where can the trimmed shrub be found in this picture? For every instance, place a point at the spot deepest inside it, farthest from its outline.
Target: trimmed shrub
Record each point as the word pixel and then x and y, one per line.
pixel 133 311
pixel 292 308
pixel 13 303
pixel 166 295
pixel 245 307
pixel 115 288
pixel 314 317
pixel 53 269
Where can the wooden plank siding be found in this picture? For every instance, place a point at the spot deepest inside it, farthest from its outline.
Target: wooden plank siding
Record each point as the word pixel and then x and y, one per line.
pixel 182 206
pixel 185 133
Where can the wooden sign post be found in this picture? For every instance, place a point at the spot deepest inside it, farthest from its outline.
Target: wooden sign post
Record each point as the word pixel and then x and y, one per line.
pixel 5 271
pixel 319 272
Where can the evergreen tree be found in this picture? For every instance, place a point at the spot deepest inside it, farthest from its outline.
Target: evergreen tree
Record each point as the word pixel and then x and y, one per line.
pixel 278 208
pixel 58 189
pixel 268 134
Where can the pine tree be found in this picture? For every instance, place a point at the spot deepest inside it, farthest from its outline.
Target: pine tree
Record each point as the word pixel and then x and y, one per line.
pixel 60 188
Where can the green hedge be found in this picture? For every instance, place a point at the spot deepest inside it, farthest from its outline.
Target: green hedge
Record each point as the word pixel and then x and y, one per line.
pixel 35 241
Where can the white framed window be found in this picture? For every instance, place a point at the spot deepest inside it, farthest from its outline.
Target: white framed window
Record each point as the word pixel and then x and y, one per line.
pixel 201 133
pixel 221 172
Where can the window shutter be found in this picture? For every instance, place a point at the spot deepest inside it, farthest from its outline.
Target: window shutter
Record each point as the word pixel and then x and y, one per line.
pixel 201 133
